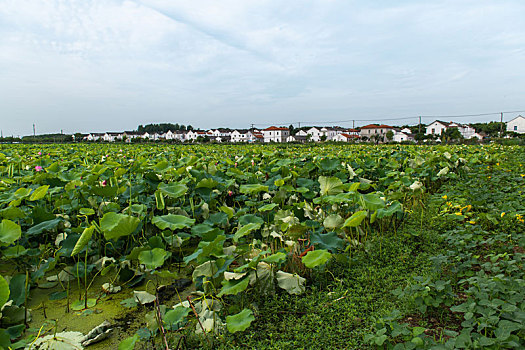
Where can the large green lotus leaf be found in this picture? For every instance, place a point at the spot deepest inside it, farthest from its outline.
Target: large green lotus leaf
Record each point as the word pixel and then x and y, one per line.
pixel 153 258
pixel 86 211
pixel 227 210
pixel 372 201
pixel 9 231
pixel 250 219
pixel 267 207
pixel 330 185
pixel 172 221
pixel 356 219
pixel 329 241
pixel 162 166
pixel 239 322
pixel 244 230
pixel 316 258
pixel 232 287
pixel 333 221
pixel 276 258
pixel 172 318
pixel 17 289
pixel 117 225
pixel 129 343
pixel 4 291
pixel 105 191
pixel 48 225
pixel 292 283
pixel 208 269
pixel 39 193
pixel 173 190
pixel 83 240
pixel 394 208
pixel 12 213
pixel 207 183
pixel 253 188
pixel 330 164
pixel 201 229
pixel 214 247
pixel 22 192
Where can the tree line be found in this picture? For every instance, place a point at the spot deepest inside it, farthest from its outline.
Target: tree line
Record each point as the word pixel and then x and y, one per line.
pixel 163 128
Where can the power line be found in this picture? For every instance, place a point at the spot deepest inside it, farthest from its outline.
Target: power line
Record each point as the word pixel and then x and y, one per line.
pixel 392 119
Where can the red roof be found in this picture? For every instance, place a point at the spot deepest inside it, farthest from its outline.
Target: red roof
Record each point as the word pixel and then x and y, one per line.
pixel 353 130
pixel 350 136
pixel 370 126
pixel 274 128
pixel 375 126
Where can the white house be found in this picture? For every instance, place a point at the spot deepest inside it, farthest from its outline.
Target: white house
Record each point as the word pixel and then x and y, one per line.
pixel 517 125
pixel 400 136
pixel 438 126
pixel 344 137
pixel 275 134
pixel 94 136
pixel 242 135
pixel 112 136
pixel 301 133
pixel 315 134
pixel 330 133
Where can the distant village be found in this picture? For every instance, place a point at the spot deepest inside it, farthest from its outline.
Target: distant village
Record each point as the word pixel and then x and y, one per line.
pixel 379 133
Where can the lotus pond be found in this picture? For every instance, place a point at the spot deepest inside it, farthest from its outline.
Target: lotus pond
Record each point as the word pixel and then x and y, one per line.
pixel 261 246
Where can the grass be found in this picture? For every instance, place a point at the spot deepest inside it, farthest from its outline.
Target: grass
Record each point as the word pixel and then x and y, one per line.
pixel 342 305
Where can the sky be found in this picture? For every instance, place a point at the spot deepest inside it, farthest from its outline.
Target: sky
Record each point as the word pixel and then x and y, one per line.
pixel 109 65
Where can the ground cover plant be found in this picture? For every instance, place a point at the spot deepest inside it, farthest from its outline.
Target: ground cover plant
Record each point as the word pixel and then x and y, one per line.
pixel 226 246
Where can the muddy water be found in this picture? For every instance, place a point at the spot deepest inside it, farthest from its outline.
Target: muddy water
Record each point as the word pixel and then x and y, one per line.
pixel 126 321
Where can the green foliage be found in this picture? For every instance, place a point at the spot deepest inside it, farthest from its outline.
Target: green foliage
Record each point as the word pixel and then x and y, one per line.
pixel 253 224
pixel 239 322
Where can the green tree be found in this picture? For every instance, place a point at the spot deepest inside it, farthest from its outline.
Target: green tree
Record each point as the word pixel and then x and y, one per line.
pixel 389 135
pixel 451 134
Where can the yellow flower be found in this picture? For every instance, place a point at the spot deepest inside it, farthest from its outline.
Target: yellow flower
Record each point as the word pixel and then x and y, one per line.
pixel 502 214
pixel 449 204
pixel 522 175
pixel 497 164
pixel 458 214
pixel 489 177
pixel 472 222
pixel 444 197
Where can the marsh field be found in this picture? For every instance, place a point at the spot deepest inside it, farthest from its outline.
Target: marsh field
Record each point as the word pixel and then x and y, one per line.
pixel 262 246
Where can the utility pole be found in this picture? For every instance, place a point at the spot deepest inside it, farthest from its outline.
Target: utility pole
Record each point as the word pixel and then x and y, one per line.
pixel 501 124
pixel 299 125
pixel 419 125
pixel 353 124
pixel 34 132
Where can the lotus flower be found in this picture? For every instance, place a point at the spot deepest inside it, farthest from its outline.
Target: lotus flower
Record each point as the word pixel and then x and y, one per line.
pixel 39 168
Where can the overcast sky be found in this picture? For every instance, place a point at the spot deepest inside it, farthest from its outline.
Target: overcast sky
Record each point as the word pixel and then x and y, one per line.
pixel 109 65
